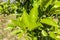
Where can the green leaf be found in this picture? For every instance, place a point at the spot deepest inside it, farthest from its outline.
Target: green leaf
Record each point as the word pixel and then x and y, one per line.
pixel 58 32
pixel 16 31
pixel 44 33
pixel 26 18
pixel 52 34
pixel 10 26
pixel 13 6
pixel 2 3
pixel 49 21
pixel 34 14
pixel 47 4
pixel 39 24
pixel 34 38
pixel 5 6
pixel 1 9
pixel 57 4
pixel 58 37
pixel 28 21
pixel 19 22
pixel 36 4
pixel 15 22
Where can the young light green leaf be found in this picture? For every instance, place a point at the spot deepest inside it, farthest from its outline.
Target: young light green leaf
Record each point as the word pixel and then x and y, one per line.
pixel 39 24
pixel 1 9
pixel 34 14
pixel 44 33
pixel 34 38
pixel 58 37
pixel 52 34
pixel 26 18
pixel 49 21
pixel 57 4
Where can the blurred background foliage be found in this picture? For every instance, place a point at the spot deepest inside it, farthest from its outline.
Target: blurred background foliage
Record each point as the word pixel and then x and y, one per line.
pixel 33 19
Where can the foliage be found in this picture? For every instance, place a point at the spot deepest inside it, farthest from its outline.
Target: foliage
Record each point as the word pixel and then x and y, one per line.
pixel 39 19
pixel 8 8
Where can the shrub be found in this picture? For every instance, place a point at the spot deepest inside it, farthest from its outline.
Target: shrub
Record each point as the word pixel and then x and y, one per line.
pixel 39 20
